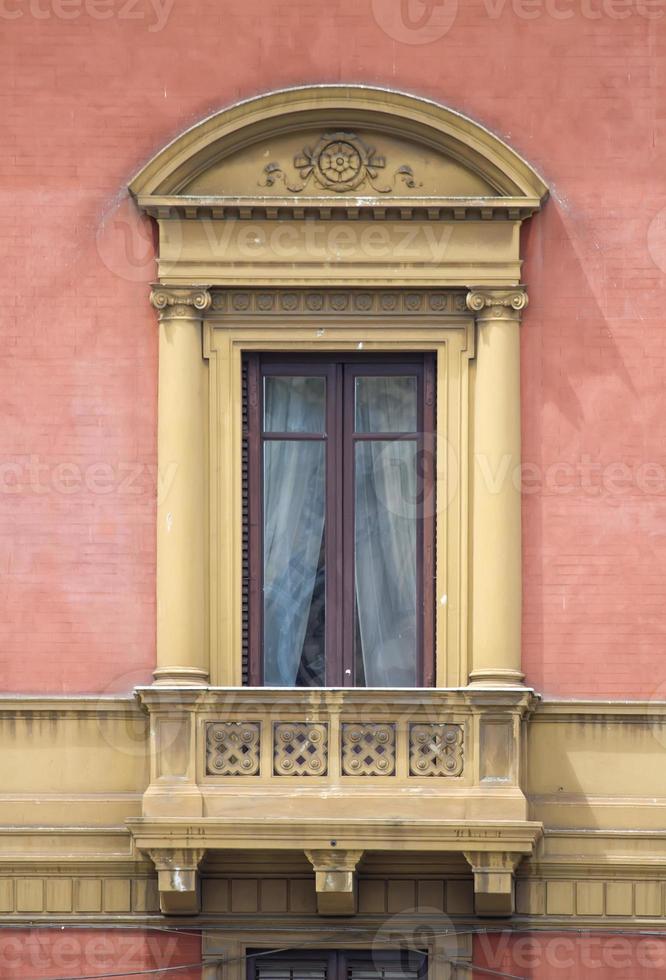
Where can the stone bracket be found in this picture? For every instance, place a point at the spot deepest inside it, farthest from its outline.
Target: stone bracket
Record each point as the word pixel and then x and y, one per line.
pixel 178 879
pixel 335 880
pixel 493 881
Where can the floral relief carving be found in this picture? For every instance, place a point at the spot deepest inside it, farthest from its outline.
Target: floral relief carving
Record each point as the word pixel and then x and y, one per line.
pixel 350 302
pixel 300 749
pixel 232 748
pixel 436 750
pixel 339 162
pixel 368 750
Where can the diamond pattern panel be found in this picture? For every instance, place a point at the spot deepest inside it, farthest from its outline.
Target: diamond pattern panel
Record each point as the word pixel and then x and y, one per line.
pixel 232 748
pixel 436 750
pixel 368 750
pixel 300 749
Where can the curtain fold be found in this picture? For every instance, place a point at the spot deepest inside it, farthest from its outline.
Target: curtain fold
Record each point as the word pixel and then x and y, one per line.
pixel 294 510
pixel 386 533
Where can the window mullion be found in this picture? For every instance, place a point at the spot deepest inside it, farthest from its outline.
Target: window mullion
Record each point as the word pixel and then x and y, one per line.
pixel 334 524
pixel 347 541
pixel 255 516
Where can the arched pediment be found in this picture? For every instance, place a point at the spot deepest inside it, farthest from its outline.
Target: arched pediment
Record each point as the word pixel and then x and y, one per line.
pixel 338 184
pixel 344 146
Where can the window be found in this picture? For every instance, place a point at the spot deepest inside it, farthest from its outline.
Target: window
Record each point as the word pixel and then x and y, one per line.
pixel 339 540
pixel 404 964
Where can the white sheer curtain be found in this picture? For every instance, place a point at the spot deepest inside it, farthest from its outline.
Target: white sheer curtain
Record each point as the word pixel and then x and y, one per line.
pixel 385 535
pixel 294 507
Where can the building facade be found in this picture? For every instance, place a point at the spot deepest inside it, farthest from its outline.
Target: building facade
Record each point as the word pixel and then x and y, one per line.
pixel 333 482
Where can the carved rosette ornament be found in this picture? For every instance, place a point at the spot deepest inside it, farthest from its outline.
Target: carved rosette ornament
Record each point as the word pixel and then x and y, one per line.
pixel 490 303
pixel 180 302
pixel 340 162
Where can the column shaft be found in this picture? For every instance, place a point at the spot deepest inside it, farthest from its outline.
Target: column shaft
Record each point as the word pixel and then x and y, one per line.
pixel 496 517
pixel 182 657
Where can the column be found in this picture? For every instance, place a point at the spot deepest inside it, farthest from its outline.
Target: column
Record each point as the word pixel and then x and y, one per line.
pixel 496 521
pixel 182 656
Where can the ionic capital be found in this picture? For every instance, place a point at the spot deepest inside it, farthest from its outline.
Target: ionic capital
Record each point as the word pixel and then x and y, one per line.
pixel 180 302
pixel 490 303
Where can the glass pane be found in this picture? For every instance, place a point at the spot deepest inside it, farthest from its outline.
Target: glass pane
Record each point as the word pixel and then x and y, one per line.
pixel 293 404
pixel 294 563
pixel 385 537
pixel 386 404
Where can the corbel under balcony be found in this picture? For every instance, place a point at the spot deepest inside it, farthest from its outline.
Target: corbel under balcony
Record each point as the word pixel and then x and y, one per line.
pixel 178 878
pixel 335 880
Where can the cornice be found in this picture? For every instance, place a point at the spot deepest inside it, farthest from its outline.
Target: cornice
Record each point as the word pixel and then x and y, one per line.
pixel 547 711
pixel 196 207
pixel 67 706
pixel 357 699
pixel 519 836
pixel 599 712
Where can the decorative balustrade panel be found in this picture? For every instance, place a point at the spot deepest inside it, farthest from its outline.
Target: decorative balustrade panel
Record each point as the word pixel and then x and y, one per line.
pixel 368 750
pixel 302 748
pixel 435 750
pixel 233 748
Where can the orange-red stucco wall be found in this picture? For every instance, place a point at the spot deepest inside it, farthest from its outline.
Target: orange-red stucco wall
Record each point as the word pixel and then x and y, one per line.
pixel 41 954
pixel 576 955
pixel 92 88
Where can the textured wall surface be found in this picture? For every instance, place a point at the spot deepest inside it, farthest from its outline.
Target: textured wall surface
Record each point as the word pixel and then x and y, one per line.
pixel 576 956
pixel 92 88
pixel 61 952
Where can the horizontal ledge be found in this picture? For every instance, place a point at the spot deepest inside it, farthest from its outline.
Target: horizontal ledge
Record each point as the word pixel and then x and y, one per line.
pixel 324 208
pixel 322 697
pixel 289 834
pixel 16 705
pixel 600 711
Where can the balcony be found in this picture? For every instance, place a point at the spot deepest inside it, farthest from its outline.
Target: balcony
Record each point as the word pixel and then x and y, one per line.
pixel 335 773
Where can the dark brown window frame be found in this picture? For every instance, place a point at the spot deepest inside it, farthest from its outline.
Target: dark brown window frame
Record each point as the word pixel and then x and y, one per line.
pixel 340 438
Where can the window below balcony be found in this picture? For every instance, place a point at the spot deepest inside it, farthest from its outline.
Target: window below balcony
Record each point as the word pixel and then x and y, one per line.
pixel 318 964
pixel 339 533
